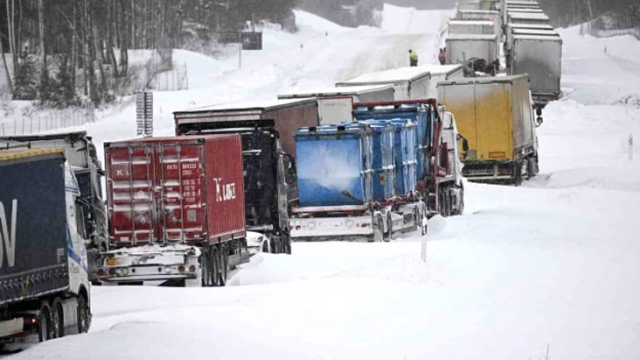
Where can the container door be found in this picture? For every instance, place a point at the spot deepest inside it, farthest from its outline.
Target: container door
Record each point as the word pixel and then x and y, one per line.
pixel 493 122
pixel 132 210
pixel 388 163
pixel 179 185
pixel 367 167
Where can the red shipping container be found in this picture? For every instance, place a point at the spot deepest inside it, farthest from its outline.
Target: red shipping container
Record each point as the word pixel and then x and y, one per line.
pixel 186 189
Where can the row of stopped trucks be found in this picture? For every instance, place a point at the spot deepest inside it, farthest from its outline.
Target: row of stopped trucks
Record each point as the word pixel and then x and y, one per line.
pixel 530 44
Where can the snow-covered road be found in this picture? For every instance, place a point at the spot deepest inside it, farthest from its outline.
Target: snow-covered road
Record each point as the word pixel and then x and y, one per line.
pixel 553 265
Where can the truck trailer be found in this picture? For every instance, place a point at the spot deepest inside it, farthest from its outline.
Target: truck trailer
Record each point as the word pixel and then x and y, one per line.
pixel 81 155
pixel 512 27
pixel 335 104
pixel 491 15
pixel 45 289
pixel 408 82
pixel 176 210
pixel 525 18
pixel 462 47
pixel 471 27
pixel 270 176
pixel 496 115
pixel 539 56
pixel 286 116
pixel 337 169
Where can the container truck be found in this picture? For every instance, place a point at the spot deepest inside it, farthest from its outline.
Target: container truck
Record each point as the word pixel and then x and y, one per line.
pixel 337 167
pixel 539 56
pixel 438 166
pixel 512 27
pixel 471 27
pixel 45 289
pixel 462 47
pixel 270 176
pixel 495 114
pixel 175 209
pixel 284 115
pixel 335 104
pixel 81 155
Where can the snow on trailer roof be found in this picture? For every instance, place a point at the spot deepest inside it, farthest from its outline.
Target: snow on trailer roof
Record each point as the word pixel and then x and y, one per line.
pixel 332 91
pixel 488 12
pixel 521 2
pixel 399 75
pixel 535 32
pixel 245 106
pixel 435 69
pixel 528 16
pixel 484 80
pixel 529 26
pixel 470 22
pixel 526 11
pixel 538 37
pixel 471 37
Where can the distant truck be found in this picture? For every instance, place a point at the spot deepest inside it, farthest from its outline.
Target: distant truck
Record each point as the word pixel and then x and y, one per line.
pixel 471 27
pixel 509 32
pixel 491 15
pixel 461 48
pixel 539 56
pixel 45 289
pixel 497 117
pixel 81 155
pixel 527 18
pixel 270 175
pixel 335 104
pixel 286 116
pixel 410 83
pixel 176 210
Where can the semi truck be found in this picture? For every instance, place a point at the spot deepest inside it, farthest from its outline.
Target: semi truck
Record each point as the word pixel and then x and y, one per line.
pixel 539 56
pixel 176 210
pixel 410 83
pixel 338 167
pixel 439 169
pixel 463 47
pixel 491 15
pixel 270 176
pixel 45 289
pixel 335 104
pixel 471 27
pixel 81 155
pixel 286 116
pixel 496 115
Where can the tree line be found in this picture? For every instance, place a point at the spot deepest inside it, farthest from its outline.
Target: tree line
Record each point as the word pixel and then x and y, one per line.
pixel 573 12
pixel 65 51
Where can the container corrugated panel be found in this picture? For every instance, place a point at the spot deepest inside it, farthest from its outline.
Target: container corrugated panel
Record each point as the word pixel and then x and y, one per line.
pixel 335 165
pixel 383 159
pixel 33 224
pixel 405 145
pixel 175 190
pixel 425 119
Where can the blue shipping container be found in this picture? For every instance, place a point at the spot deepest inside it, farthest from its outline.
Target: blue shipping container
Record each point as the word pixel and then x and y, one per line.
pixel 405 145
pixel 383 159
pixel 335 165
pixel 423 115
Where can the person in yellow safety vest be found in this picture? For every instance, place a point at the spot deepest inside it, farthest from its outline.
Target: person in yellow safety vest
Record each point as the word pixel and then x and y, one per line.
pixel 413 58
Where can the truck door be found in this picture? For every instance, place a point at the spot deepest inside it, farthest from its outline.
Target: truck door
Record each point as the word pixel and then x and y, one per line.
pixel 287 188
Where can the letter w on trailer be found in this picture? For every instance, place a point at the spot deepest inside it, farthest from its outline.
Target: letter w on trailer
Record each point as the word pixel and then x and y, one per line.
pixel 335 104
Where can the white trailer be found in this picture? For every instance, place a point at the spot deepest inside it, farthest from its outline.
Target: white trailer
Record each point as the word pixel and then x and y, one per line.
pixel 410 83
pixel 541 58
pixel 461 48
pixel 491 15
pixel 511 27
pixel 442 73
pixel 525 18
pixel 336 104
pixel 471 27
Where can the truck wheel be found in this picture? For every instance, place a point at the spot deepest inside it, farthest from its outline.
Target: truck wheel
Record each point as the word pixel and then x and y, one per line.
pixel 83 315
pixel 57 318
pixel 388 236
pixel 378 229
pixel 266 246
pixel 204 265
pixel 45 330
pixel 518 173
pixel 287 243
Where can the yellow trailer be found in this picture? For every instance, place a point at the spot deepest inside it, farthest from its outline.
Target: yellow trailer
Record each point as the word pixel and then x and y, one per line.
pixel 495 115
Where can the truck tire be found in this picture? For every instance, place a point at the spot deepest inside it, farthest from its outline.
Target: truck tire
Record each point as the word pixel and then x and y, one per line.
pixel 57 318
pixel 287 243
pixel 83 315
pixel 45 330
pixel 224 265
pixel 205 265
pixel 215 267
pixel 518 173
pixel 378 229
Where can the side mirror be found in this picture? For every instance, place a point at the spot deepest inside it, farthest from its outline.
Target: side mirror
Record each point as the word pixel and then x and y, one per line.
pixel 465 146
pixel 539 121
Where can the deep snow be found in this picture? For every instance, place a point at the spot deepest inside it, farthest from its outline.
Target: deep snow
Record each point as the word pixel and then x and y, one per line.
pixel 551 264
